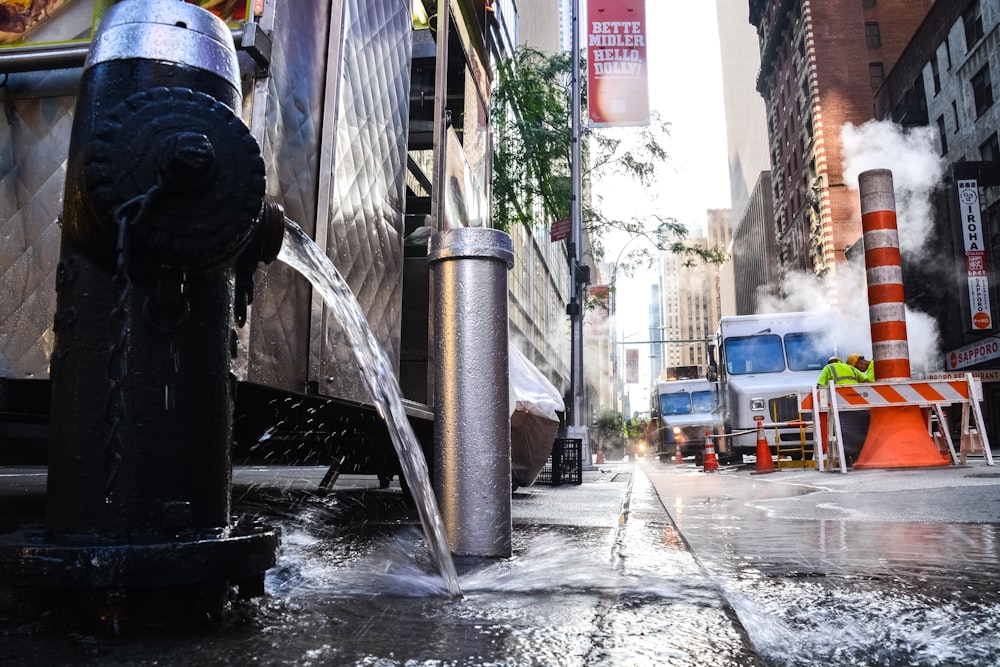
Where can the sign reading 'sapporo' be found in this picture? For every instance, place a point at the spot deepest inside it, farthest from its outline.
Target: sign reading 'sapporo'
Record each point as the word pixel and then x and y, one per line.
pixel 970 355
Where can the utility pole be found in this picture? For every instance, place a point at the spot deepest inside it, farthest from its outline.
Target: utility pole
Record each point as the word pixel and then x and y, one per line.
pixel 577 427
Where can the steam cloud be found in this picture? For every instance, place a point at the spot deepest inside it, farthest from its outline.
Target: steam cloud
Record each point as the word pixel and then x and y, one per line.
pixel 917 170
pixel 851 329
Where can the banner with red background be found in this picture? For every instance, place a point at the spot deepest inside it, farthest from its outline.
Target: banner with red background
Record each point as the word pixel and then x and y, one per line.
pixel 617 83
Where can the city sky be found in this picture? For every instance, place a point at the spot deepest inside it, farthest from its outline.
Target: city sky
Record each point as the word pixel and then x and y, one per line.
pixel 685 82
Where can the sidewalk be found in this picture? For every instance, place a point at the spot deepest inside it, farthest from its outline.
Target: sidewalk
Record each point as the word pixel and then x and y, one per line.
pixel 599 577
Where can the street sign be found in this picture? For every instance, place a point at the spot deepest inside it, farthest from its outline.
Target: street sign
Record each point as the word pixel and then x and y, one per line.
pixel 973 354
pixel 561 230
pixel 985 375
pixel 977 272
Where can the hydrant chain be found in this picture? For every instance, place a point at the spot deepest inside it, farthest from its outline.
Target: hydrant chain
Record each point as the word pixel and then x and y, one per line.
pixel 119 321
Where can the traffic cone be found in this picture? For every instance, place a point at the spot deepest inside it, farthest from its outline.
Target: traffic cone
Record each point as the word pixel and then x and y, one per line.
pixel 711 461
pixel 678 457
pixel 764 461
pixel 897 438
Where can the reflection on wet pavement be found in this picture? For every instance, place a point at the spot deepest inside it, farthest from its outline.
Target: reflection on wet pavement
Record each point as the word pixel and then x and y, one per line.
pixel 356 585
pixel 841 591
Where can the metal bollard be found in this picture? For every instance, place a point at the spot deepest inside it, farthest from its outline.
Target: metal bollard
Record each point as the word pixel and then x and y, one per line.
pixel 472 472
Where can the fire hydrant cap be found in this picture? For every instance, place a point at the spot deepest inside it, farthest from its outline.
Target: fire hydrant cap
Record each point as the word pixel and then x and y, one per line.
pixel 171 32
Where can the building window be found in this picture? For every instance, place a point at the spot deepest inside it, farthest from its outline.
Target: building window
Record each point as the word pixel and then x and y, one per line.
pixel 972 19
pixel 868 3
pixel 989 150
pixel 954 114
pixel 876 73
pixel 982 90
pixel 872 35
pixel 942 134
pixel 947 54
pixel 935 75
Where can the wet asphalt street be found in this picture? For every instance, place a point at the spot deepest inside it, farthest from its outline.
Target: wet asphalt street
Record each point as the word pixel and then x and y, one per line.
pixel 872 567
pixel 599 576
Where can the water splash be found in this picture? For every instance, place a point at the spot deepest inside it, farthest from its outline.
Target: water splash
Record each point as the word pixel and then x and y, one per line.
pixel 302 254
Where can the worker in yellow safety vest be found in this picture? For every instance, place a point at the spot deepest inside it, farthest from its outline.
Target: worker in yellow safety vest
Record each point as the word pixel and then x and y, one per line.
pixel 840 373
pixel 864 365
pixel 854 425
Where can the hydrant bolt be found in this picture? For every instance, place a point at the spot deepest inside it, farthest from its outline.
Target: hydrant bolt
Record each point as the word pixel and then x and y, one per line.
pixel 190 160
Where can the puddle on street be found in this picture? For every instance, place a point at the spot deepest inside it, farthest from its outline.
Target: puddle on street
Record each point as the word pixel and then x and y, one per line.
pixel 841 592
pixel 355 584
pixel 837 621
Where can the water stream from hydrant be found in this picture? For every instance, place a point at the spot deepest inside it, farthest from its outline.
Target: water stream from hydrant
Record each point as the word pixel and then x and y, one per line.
pixel 302 254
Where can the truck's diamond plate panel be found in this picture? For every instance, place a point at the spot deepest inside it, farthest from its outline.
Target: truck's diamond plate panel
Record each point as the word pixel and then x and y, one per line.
pixel 34 141
pixel 292 97
pixel 366 227
pixel 363 221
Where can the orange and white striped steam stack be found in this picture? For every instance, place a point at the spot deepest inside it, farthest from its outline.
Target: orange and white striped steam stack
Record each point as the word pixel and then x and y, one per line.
pixel 884 271
pixel 897 436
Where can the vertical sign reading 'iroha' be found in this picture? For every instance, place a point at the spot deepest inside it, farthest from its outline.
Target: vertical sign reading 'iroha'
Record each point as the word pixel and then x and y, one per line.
pixel 617 84
pixel 975 255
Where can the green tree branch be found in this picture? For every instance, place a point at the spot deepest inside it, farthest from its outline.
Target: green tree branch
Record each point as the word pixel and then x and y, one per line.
pixel 531 162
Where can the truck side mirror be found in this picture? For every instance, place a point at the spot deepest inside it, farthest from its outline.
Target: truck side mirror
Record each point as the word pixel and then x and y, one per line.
pixel 713 367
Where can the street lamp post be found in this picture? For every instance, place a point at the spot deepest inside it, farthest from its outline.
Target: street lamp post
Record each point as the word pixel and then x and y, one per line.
pixel 618 408
pixel 620 382
pixel 577 424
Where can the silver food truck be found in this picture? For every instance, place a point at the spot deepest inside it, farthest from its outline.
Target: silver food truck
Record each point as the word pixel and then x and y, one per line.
pixel 341 98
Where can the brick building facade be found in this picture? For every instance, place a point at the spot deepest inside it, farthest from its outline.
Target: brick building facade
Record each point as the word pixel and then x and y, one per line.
pixel 821 63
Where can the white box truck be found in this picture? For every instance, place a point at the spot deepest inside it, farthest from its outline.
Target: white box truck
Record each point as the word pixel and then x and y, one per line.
pixel 686 408
pixel 764 360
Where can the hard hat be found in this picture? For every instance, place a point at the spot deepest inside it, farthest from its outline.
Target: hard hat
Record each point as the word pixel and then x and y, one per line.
pixel 833 360
pixel 853 359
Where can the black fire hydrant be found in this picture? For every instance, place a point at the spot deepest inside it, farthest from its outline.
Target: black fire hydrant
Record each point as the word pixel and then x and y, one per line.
pixel 164 217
